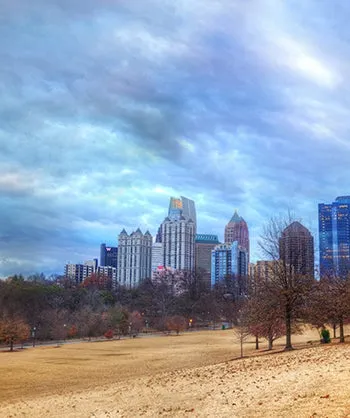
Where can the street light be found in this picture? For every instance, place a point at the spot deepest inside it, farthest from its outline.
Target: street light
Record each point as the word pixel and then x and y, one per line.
pixel 64 327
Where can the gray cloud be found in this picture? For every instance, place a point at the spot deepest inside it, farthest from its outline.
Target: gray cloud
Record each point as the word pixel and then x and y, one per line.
pixel 110 107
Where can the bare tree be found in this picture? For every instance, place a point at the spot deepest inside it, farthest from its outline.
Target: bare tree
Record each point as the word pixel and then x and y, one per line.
pixel 289 276
pixel 241 330
pixel 265 314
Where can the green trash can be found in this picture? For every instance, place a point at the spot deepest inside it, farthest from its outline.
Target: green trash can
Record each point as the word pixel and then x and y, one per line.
pixel 223 327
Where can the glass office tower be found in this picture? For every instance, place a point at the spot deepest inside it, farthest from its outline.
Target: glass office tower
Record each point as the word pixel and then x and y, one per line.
pixel 334 235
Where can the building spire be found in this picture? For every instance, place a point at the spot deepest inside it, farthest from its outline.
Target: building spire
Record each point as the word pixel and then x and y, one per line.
pixel 236 217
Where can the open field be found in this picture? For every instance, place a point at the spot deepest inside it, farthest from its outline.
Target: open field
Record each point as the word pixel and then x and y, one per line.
pixel 193 374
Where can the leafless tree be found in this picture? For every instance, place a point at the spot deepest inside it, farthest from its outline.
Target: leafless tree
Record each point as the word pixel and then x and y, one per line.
pixel 290 284
pixel 241 330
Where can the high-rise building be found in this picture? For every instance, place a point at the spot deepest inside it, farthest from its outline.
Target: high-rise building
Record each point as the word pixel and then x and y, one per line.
pixel 178 243
pixel 108 256
pixel 159 234
pixel 178 235
pixel 109 272
pixel 265 269
pixel 296 249
pixel 334 236
pixel 183 206
pixel 92 264
pixel 157 256
pixel 228 260
pixel 79 272
pixel 204 244
pixel 237 230
pixel 134 258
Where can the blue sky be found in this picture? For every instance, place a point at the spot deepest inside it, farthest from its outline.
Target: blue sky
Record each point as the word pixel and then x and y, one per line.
pixel 109 107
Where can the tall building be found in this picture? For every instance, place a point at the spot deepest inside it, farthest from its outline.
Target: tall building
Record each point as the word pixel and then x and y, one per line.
pixel 228 260
pixel 265 269
pixel 204 244
pixel 178 235
pixel 157 256
pixel 296 249
pixel 108 256
pixel 92 264
pixel 79 272
pixel 334 236
pixel 182 206
pixel 134 258
pixel 159 234
pixel 237 230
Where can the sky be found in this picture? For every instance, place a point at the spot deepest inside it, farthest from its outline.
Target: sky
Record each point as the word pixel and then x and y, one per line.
pixel 110 107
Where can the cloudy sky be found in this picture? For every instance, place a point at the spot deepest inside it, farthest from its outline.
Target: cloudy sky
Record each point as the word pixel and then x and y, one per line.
pixel 109 107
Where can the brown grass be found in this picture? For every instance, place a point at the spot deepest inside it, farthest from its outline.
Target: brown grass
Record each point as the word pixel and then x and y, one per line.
pixel 171 375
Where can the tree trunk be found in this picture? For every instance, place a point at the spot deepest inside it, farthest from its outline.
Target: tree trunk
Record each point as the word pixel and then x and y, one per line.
pixel 334 330
pixel 256 342
pixel 288 329
pixel 241 347
pixel 270 340
pixel 11 344
pixel 341 331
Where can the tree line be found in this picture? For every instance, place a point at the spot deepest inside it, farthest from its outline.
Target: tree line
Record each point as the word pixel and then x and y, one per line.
pixel 40 308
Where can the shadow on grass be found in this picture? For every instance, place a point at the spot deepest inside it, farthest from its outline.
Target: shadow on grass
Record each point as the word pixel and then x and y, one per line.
pixel 280 349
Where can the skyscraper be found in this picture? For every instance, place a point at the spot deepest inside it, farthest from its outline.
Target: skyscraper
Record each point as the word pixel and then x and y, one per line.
pixel 108 256
pixel 134 258
pixel 237 230
pixel 204 244
pixel 296 249
pixel 157 256
pixel 228 260
pixel 182 206
pixel 178 234
pixel 334 235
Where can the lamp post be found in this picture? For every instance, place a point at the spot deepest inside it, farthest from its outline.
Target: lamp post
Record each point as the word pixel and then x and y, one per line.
pixel 33 335
pixel 64 328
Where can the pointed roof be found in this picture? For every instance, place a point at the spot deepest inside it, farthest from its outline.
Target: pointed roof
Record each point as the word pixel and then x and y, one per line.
pixel 295 227
pixel 236 218
pixel 123 232
pixel 138 231
pixel 148 233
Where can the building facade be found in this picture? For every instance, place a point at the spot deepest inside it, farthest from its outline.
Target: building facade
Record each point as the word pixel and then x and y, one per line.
pixel 178 232
pixel 134 258
pixel 204 244
pixel 178 243
pixel 157 256
pixel 237 230
pixel 77 273
pixel 296 249
pixel 109 272
pixel 182 207
pixel 334 237
pixel 228 260
pixel 108 256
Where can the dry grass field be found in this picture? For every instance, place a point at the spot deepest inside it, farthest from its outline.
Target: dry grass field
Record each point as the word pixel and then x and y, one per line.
pixel 194 374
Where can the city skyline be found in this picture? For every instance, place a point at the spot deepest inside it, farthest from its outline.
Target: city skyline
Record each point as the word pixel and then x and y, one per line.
pixel 141 101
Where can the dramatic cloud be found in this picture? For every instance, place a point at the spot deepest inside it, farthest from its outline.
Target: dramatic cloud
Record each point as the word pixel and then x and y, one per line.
pixel 110 107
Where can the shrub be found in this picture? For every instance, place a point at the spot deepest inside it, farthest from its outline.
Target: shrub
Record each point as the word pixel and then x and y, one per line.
pixel 109 334
pixel 325 336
